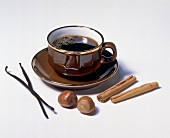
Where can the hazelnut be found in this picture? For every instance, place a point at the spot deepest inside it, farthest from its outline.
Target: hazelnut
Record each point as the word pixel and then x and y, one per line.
pixel 67 99
pixel 85 105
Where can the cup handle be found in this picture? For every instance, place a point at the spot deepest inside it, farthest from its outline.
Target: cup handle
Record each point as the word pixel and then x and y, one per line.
pixel 113 48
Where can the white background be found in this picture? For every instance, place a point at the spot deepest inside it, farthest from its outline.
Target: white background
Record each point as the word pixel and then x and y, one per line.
pixel 141 32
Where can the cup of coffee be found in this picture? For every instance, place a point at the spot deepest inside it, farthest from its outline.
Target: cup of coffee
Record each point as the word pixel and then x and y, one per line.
pixel 77 50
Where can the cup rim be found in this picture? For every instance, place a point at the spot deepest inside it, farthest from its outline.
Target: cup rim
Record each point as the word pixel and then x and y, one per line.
pixel 76 52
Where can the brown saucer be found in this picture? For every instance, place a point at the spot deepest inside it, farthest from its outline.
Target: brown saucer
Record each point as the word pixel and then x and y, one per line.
pixel 42 68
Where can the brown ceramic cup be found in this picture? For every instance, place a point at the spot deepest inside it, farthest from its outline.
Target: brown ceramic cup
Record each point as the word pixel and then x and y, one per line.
pixel 78 63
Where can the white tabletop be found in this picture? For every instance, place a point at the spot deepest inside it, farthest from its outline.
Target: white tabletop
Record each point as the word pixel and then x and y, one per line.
pixel 141 32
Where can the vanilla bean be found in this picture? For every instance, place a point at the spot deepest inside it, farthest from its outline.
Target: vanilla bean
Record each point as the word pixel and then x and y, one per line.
pixel 31 90
pixel 26 76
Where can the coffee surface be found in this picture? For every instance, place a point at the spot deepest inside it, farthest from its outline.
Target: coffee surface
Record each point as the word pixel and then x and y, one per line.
pixel 74 43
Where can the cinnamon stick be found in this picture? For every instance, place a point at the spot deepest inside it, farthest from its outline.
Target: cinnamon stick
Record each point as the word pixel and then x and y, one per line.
pixel 134 92
pixel 102 97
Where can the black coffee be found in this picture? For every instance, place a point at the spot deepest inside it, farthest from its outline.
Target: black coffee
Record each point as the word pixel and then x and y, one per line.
pixel 74 43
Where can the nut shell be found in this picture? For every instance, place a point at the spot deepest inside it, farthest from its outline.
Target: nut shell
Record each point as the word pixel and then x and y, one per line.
pixel 67 99
pixel 85 105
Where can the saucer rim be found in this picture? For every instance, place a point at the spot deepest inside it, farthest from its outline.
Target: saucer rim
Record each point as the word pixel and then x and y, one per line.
pixel 72 86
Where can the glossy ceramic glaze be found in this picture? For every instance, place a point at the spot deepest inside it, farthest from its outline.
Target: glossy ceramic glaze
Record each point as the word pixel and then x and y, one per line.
pixel 74 64
pixel 43 69
pixel 77 63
